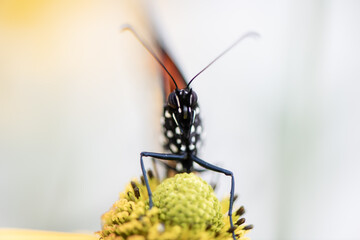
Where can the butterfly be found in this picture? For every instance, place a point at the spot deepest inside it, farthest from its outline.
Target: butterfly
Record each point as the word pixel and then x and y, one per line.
pixel 181 122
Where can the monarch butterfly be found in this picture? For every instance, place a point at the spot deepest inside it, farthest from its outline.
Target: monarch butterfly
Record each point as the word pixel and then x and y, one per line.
pixel 181 120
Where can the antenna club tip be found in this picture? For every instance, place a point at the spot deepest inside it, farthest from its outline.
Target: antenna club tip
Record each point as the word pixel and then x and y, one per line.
pixel 253 34
pixel 125 27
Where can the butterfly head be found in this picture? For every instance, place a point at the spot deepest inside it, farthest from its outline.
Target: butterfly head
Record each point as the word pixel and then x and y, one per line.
pixel 183 103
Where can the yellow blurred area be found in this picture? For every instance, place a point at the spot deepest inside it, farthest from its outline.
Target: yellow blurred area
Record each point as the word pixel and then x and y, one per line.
pixel 14 234
pixel 22 12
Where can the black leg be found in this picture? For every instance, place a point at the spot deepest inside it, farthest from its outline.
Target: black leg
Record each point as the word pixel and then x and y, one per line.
pixel 226 172
pixel 163 156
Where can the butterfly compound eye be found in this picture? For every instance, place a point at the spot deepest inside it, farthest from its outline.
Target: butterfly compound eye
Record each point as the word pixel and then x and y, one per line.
pixel 172 100
pixel 193 98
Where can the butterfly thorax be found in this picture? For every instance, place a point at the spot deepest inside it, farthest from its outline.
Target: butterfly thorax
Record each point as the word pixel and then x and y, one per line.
pixel 181 122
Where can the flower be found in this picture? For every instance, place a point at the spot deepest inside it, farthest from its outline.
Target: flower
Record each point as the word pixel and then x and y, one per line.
pixel 185 207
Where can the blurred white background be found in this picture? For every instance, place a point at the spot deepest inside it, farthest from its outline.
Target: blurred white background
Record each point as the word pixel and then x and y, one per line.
pixel 79 101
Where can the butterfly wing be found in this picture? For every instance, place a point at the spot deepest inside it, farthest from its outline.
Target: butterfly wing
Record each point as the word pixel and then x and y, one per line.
pixel 168 84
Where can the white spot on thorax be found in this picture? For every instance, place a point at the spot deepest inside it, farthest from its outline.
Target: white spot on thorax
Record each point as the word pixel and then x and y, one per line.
pixel 193 139
pixel 177 100
pixel 191 146
pixel 173 148
pixel 177 130
pixel 173 115
pixel 192 129
pixel 183 147
pixel 167 114
pixel 194 116
pixel 169 134
pixel 178 141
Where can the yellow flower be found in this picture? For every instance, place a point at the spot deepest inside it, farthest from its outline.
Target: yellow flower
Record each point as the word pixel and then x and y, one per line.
pixel 185 207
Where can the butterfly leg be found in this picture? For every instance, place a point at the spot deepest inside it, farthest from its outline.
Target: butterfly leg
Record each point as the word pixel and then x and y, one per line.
pixel 163 156
pixel 227 173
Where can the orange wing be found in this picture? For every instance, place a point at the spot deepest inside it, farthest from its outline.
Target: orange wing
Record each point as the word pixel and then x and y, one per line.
pixel 168 84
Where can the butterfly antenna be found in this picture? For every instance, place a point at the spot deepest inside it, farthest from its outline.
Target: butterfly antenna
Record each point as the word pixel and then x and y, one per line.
pixel 246 35
pixel 129 28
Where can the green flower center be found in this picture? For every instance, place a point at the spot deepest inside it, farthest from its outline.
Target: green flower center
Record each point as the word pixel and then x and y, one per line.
pixel 188 201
